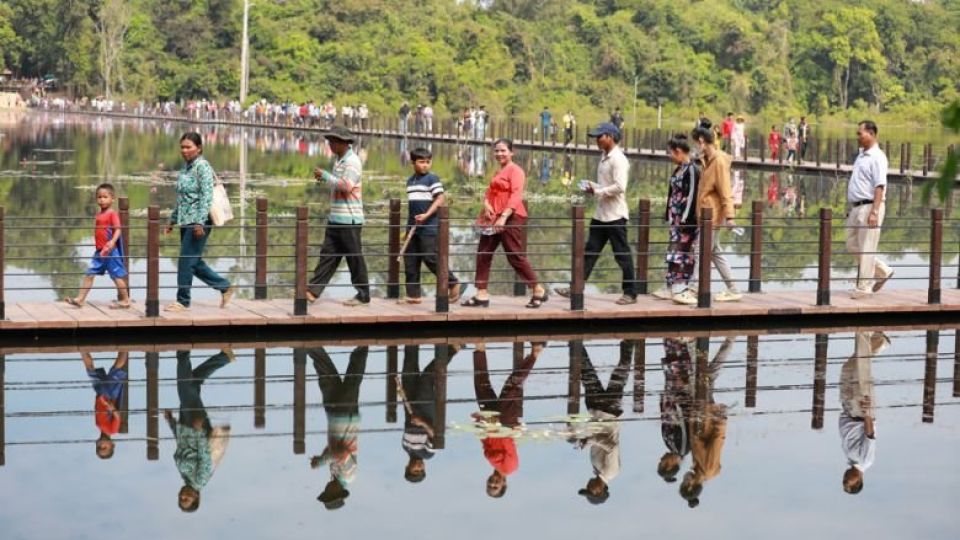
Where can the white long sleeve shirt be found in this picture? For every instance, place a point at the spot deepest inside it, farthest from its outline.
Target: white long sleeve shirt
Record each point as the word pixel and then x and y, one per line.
pixel 610 189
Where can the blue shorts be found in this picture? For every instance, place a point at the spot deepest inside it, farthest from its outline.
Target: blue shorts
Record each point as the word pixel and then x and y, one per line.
pixel 111 264
pixel 108 384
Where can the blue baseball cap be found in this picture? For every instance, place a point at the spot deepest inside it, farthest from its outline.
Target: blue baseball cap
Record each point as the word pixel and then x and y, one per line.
pixel 605 128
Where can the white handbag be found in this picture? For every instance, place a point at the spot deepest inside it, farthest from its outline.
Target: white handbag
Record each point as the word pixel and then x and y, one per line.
pixel 220 210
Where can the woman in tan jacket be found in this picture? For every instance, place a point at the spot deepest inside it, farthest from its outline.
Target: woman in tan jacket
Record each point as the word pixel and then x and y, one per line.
pixel 715 192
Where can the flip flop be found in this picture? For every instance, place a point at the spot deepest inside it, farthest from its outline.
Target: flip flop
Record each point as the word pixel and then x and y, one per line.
pixel 473 301
pixel 117 305
pixel 72 302
pixel 537 301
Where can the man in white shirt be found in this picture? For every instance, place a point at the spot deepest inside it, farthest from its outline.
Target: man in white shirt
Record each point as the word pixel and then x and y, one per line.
pixel 609 221
pixel 866 193
pixel 857 433
pixel 602 433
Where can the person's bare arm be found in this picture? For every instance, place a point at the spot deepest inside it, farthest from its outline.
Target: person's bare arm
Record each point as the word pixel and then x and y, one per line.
pixel 873 220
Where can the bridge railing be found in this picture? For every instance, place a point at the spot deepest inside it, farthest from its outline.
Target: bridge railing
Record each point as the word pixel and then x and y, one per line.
pixel 268 257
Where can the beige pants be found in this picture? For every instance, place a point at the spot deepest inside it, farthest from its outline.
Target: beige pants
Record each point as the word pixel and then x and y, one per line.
pixel 856 377
pixel 862 242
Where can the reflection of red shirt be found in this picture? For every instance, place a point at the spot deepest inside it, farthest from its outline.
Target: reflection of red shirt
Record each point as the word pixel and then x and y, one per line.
pixel 726 128
pixel 106 223
pixel 501 452
pixel 506 190
pixel 774 190
pixel 108 422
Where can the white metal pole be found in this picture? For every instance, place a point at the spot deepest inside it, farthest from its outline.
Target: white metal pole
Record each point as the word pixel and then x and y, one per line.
pixel 244 54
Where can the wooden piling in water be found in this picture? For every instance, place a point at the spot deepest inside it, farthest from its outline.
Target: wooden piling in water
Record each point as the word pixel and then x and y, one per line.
pixel 819 380
pixel 753 350
pixel 930 375
pixel 639 374
pixel 300 400
pixel 152 362
pixel 259 388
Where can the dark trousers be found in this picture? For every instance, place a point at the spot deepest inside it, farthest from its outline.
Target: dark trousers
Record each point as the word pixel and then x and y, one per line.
pixel 341 241
pixel 510 402
pixel 190 380
pixel 607 399
pixel 616 233
pixel 340 396
pixel 190 264
pixel 512 240
pixel 422 249
pixel 420 386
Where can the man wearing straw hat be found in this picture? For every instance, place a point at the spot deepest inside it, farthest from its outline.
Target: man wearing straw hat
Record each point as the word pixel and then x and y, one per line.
pixel 342 238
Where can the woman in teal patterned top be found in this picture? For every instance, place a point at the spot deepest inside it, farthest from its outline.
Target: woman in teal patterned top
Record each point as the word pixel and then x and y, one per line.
pixel 192 214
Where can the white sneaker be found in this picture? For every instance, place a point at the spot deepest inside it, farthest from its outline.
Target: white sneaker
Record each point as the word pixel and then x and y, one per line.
pixel 861 293
pixel 663 293
pixel 728 295
pixel 687 298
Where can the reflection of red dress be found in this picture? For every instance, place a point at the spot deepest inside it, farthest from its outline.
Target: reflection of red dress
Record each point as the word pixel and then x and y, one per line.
pixel 501 452
pixel 774 190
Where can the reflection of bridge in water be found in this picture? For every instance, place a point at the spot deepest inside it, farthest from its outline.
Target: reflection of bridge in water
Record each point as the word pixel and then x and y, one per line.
pixel 832 156
pixel 563 372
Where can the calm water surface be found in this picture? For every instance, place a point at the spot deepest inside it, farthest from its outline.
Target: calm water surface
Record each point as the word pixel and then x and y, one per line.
pixel 761 416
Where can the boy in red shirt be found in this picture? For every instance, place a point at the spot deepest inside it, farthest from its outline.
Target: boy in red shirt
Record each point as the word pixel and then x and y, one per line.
pixel 109 389
pixel 108 257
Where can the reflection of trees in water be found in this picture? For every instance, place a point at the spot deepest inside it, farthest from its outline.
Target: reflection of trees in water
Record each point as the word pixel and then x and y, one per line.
pixel 279 166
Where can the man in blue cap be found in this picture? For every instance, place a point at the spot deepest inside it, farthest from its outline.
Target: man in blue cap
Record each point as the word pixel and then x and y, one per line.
pixel 609 221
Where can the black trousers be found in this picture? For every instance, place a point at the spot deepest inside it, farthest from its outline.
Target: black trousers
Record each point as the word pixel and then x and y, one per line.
pixel 422 249
pixel 616 233
pixel 341 241
pixel 340 395
pixel 607 399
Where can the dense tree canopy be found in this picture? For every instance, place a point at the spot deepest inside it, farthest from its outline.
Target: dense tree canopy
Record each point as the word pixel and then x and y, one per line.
pixel 745 55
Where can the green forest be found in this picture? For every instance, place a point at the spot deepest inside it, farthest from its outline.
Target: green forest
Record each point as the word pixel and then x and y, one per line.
pixel 773 57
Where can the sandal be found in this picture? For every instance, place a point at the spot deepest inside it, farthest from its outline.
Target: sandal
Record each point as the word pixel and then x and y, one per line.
pixel 537 301
pixel 73 302
pixel 116 304
pixel 473 301
pixel 176 307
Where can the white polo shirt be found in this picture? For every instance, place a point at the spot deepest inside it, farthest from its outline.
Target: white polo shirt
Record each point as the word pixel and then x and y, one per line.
pixel 869 172
pixel 611 186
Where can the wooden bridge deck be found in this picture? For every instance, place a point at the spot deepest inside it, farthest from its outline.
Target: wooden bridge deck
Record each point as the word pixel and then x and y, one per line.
pixel 328 316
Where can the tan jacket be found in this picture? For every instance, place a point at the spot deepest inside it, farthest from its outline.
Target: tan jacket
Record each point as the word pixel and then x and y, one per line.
pixel 706 445
pixel 714 190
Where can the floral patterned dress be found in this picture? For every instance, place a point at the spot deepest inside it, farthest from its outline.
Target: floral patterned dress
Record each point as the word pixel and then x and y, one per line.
pixel 681 216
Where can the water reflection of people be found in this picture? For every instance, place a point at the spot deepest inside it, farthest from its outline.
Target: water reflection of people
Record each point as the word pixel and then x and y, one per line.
pixel 604 405
pixel 200 447
pixel 341 399
pixel 504 411
pixel 708 431
pixel 858 414
pixel 676 405
pixel 108 386
pixel 419 395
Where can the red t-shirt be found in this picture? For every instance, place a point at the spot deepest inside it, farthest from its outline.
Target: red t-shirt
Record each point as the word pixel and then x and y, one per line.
pixel 108 422
pixel 726 128
pixel 106 223
pixel 506 190
pixel 501 452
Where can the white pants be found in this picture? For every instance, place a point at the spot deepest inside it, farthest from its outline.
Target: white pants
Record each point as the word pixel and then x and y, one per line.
pixel 862 242
pixel 721 262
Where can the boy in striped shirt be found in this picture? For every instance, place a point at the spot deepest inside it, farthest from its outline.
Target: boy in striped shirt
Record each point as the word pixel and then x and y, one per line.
pixel 424 198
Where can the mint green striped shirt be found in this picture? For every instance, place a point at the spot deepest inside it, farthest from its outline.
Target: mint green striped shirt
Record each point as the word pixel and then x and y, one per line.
pixel 346 190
